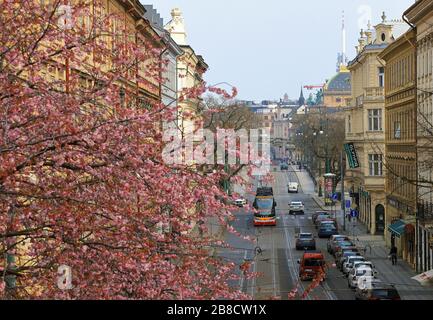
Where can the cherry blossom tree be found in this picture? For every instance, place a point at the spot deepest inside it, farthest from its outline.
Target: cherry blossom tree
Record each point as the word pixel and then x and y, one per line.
pixel 82 180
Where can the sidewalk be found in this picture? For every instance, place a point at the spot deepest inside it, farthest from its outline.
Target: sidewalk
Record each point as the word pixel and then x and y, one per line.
pixel 376 250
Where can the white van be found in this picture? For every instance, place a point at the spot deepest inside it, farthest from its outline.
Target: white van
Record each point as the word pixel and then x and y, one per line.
pixel 293 187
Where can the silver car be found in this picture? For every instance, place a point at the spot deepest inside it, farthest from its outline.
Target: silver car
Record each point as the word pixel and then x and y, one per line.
pixel 348 264
pixel 296 207
pixel 355 274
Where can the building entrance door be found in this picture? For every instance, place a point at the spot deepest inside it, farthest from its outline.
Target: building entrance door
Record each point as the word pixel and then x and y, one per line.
pixel 380 219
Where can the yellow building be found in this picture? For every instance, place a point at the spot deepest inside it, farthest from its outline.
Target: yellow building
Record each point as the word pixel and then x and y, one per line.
pixel 365 124
pixel 125 16
pixel 191 68
pixel 400 144
pixel 420 15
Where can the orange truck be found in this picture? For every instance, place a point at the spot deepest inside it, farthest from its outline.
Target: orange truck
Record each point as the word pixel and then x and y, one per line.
pixel 312 265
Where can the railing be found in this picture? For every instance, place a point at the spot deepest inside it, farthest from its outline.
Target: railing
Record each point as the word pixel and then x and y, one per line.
pixel 375 93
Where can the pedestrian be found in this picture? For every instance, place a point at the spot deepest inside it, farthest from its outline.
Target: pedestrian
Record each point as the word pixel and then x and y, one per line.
pixel 393 254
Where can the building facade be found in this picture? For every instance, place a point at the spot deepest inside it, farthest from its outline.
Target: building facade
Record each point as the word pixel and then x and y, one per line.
pixel 400 144
pixel 365 124
pixel 420 15
pixel 190 70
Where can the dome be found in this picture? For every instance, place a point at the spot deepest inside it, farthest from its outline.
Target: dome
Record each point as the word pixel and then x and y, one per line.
pixel 340 82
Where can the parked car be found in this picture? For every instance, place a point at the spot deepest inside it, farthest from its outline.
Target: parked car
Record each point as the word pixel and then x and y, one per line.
pixel 312 264
pixel 284 167
pixel 344 256
pixel 369 264
pixel 305 241
pixel 326 222
pixel 321 218
pixel 356 273
pixel 318 213
pixel 342 245
pixel 348 263
pixel 296 207
pixel 333 240
pixel 327 230
pixel 377 291
pixel 293 187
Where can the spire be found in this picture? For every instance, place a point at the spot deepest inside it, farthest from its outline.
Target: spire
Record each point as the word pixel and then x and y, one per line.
pixel 301 100
pixel 342 57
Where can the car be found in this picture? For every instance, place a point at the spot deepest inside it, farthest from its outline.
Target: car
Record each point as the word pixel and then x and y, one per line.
pixel 328 222
pixel 326 231
pixel 321 218
pixel 241 202
pixel 377 290
pixel 339 245
pixel 284 167
pixel 356 273
pixel 296 207
pixel 344 256
pixel 333 240
pixel 360 264
pixel 339 253
pixel 305 241
pixel 348 263
pixel 293 187
pixel 318 213
pixel 312 265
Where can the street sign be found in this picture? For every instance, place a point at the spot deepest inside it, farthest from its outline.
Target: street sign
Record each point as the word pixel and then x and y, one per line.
pixel 354 213
pixel 335 196
pixel 348 204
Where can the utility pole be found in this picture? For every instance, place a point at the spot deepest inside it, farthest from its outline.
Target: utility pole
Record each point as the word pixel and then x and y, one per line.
pixel 343 200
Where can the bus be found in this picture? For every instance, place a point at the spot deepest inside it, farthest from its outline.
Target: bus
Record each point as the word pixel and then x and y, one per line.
pixel 264 205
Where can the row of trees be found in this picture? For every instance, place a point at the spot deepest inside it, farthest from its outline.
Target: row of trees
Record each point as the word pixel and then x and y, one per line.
pixel 319 135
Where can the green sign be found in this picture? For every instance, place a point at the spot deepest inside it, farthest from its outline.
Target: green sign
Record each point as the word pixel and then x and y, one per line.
pixel 352 156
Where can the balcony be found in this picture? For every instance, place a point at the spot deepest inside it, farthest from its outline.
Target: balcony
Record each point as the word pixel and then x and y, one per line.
pixel 371 94
pixel 374 94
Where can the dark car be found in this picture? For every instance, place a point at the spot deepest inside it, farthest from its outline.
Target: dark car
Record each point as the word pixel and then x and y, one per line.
pixel 377 290
pixel 328 222
pixel 334 240
pixel 321 218
pixel 327 230
pixel 284 166
pixel 305 241
pixel 318 213
pixel 339 245
pixel 341 250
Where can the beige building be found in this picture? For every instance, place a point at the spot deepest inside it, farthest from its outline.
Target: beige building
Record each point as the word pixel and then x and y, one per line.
pixel 190 68
pixel 420 15
pixel 400 144
pixel 365 124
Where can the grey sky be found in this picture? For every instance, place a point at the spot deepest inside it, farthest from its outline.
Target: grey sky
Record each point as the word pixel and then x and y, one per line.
pixel 268 48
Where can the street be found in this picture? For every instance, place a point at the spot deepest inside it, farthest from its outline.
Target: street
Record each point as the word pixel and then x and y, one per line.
pixel 274 256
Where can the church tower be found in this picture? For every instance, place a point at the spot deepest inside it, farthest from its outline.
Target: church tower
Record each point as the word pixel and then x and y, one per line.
pixel 301 100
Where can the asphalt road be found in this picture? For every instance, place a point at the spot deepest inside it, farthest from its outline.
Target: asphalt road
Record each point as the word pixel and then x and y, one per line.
pixel 274 257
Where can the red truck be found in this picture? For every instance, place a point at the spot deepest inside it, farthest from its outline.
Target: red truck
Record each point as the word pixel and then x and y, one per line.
pixel 311 265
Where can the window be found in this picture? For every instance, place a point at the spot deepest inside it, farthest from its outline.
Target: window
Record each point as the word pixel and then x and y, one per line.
pixel 383 37
pixel 381 77
pixel 375 120
pixel 349 124
pixel 338 100
pixel 397 130
pixel 375 164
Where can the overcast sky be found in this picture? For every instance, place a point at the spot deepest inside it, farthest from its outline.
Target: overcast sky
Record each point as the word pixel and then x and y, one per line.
pixel 268 48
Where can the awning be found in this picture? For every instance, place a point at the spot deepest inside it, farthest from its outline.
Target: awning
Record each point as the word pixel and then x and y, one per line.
pixel 397 228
